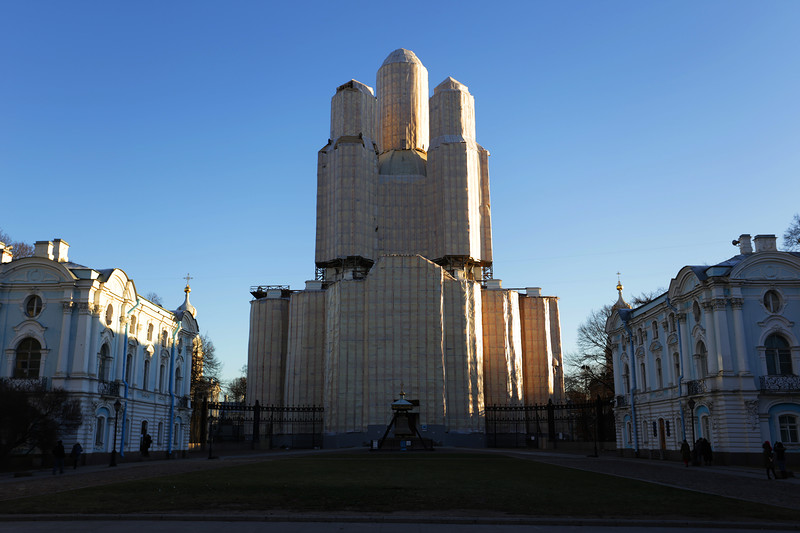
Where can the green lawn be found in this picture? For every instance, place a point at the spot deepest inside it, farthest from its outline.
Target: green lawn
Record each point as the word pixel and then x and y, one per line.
pixel 474 483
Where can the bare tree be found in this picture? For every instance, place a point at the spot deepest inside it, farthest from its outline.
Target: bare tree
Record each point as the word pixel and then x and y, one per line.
pixel 18 248
pixel 590 371
pixel 155 298
pixel 791 237
pixel 206 367
pixel 34 416
pixel 237 387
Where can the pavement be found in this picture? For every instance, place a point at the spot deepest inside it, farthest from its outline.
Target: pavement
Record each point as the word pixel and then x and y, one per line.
pixel 748 484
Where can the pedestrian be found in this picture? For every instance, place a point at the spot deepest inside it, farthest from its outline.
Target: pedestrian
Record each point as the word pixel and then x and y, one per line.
pixel 58 458
pixel 768 459
pixel 708 455
pixel 75 454
pixel 146 442
pixel 780 457
pixel 686 453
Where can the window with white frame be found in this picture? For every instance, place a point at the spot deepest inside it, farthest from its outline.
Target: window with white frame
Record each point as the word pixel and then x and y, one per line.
pixel 28 359
pixel 146 379
pixel 659 376
pixel 33 306
pixel 104 363
pixel 772 301
pixel 644 375
pixel 788 428
pixel 702 360
pixel 100 431
pixel 779 355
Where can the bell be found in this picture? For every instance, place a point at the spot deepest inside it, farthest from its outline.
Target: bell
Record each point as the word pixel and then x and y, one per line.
pixel 401 426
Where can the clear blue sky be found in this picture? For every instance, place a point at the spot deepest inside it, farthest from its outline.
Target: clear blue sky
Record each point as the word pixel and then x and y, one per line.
pixel 172 137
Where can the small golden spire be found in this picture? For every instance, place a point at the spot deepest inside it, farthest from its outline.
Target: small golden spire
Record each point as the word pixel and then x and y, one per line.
pixel 187 278
pixel 619 283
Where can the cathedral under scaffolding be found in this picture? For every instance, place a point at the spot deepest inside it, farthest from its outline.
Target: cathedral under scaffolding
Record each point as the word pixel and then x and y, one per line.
pixel 403 296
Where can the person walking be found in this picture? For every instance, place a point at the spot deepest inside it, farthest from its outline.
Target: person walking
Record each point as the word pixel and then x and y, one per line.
pixel 686 453
pixel 768 459
pixel 75 454
pixel 58 458
pixel 780 457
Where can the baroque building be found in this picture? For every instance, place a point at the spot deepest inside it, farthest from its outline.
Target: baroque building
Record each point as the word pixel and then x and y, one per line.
pixel 716 357
pixel 404 296
pixel 91 333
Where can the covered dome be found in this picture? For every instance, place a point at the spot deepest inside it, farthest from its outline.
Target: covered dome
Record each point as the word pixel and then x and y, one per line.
pixel 401 55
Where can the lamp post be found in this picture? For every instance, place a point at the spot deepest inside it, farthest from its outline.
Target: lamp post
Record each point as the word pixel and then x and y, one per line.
pixel 117 406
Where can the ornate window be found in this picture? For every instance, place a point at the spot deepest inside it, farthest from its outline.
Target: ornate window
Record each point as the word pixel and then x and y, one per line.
pixel 644 376
pixel 99 434
pixel 33 306
pixel 145 382
pixel 178 383
pixel 149 332
pixel 696 311
pixel 164 338
pixel 103 364
pixel 161 374
pixel 788 429
pixel 29 358
pixel 779 356
pixel 626 377
pixel 659 376
pixel 132 326
pixel 676 363
pixel 128 365
pixel 109 314
pixel 702 359
pixel 772 301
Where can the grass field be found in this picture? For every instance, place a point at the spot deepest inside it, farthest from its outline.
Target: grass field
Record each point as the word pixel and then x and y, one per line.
pixel 475 484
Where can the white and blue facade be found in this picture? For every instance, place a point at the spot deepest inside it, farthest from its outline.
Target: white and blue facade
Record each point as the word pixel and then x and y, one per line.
pixel 89 332
pixel 717 357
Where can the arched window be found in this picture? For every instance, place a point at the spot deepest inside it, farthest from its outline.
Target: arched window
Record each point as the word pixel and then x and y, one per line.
pixel 788 429
pixel 161 374
pixel 626 377
pixel 109 314
pixel 659 376
pixel 676 363
pixel 33 306
pixel 146 379
pixel 702 360
pixel 696 311
pixel 654 327
pixel 644 376
pixel 29 358
pixel 177 436
pixel 132 326
pixel 128 367
pixel 779 356
pixel 149 332
pixel 178 382
pixel 672 322
pixel 100 431
pixel 160 433
pixel 103 364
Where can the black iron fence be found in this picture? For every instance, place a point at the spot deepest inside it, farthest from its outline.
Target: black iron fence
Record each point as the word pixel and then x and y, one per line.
pixel 545 425
pixel 257 426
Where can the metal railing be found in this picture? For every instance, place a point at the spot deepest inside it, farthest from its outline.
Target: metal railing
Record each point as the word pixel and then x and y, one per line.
pixel 108 388
pixel 780 383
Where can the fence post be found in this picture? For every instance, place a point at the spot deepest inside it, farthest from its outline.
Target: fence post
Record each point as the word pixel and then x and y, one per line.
pixel 204 423
pixel 256 424
pixel 551 422
pixel 600 432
